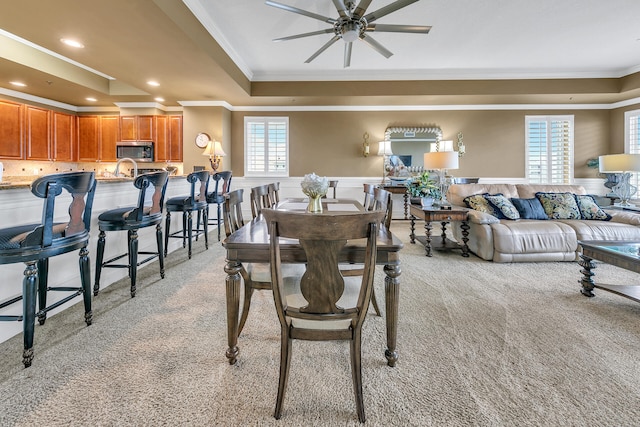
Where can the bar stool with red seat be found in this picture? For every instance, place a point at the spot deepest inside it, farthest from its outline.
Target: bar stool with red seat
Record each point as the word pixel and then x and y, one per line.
pixel 34 244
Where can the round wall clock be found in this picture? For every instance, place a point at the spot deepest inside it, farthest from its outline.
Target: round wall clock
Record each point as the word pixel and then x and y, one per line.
pixel 202 139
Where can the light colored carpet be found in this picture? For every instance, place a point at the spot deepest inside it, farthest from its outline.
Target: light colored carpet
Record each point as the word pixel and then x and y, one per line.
pixel 480 344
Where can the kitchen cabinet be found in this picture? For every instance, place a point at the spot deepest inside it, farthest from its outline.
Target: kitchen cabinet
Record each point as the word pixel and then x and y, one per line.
pixel 109 135
pixel 37 135
pixel 63 137
pixel 97 137
pixel 161 140
pixel 136 128
pixel 175 138
pixel 11 130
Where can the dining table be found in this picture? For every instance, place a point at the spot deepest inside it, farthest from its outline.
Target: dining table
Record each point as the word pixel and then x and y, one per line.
pixel 250 244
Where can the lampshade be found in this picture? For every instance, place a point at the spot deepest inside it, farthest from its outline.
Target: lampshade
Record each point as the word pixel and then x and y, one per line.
pixel 441 160
pixel 618 163
pixel 384 148
pixel 214 148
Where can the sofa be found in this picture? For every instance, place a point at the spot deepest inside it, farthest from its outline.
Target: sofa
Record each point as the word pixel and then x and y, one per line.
pixel 552 236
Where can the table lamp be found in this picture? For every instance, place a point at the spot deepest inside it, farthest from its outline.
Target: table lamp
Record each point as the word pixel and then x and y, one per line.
pixel 384 149
pixel 441 160
pixel 623 165
pixel 215 152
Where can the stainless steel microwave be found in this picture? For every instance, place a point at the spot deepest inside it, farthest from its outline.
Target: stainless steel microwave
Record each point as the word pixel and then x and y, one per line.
pixel 140 151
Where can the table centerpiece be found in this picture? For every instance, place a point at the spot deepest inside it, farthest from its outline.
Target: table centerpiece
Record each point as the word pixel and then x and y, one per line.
pixel 315 187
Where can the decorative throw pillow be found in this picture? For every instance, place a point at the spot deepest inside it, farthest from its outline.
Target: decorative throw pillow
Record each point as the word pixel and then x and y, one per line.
pixel 529 208
pixel 504 205
pixel 589 209
pixel 479 203
pixel 559 205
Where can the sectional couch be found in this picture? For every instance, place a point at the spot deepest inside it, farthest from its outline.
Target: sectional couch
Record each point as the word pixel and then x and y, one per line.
pixel 554 237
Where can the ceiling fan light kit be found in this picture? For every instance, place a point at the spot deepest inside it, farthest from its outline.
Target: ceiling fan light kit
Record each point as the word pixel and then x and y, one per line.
pixel 352 25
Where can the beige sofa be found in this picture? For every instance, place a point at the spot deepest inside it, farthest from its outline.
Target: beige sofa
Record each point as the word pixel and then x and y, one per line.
pixel 530 240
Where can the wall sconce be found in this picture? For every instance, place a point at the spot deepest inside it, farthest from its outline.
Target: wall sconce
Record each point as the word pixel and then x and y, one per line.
pixel 215 152
pixel 461 147
pixel 365 145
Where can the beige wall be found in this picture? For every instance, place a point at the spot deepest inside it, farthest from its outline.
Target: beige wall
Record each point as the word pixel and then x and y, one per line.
pixel 211 120
pixel 330 143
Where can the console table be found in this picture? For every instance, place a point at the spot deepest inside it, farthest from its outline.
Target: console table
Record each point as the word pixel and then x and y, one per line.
pixel 398 189
pixel 445 216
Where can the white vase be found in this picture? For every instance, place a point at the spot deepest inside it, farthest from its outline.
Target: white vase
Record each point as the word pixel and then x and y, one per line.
pixel 426 202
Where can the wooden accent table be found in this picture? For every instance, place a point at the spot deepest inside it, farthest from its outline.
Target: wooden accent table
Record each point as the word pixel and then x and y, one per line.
pixel 623 254
pixel 445 216
pixel 398 189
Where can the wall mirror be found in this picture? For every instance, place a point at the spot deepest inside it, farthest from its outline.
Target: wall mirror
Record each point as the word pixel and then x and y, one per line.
pixel 409 143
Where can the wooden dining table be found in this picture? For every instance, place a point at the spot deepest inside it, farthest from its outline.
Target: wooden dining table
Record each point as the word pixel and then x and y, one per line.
pixel 251 244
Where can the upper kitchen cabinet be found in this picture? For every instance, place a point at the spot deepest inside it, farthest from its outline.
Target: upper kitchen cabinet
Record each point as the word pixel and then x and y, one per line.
pixel 136 128
pixel 11 130
pixel 97 137
pixel 175 138
pixel 37 135
pixel 63 137
pixel 161 140
pixel 109 135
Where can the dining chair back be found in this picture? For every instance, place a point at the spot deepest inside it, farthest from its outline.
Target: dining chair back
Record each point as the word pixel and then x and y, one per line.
pixel 260 199
pixel 34 244
pixel 274 193
pixel 368 202
pixel 147 213
pixel 221 187
pixel 383 201
pixel 195 201
pixel 333 184
pixel 232 211
pixel 320 304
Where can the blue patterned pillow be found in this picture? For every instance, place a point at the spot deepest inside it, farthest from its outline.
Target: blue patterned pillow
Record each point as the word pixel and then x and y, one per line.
pixel 529 208
pixel 477 202
pixel 504 205
pixel 589 209
pixel 559 205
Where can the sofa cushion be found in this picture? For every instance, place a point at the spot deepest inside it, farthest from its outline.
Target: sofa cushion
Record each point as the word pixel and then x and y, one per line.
pixel 478 202
pixel 529 208
pixel 527 191
pixel 533 236
pixel 602 230
pixel 589 209
pixel 457 192
pixel 504 205
pixel 559 205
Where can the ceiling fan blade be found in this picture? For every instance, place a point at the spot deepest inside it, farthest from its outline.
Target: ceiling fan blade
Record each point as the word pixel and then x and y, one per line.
pixel 300 11
pixel 322 49
pixel 399 4
pixel 361 9
pixel 342 10
pixel 347 54
pixel 297 36
pixel 376 46
pixel 389 28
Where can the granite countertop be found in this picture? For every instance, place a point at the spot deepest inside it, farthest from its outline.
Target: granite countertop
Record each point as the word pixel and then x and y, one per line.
pixel 15 182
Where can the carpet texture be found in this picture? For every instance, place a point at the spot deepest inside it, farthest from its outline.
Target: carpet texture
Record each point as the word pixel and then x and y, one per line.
pixel 480 344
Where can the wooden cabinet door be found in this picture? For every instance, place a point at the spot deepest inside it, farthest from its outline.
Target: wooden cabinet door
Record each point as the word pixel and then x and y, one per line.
pixel 109 135
pixel 87 138
pixel 161 149
pixel 11 128
pixel 175 138
pixel 38 136
pixel 144 128
pixel 62 135
pixel 128 128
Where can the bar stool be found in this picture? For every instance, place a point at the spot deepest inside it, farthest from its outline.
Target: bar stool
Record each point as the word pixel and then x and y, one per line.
pixel 187 205
pixel 132 218
pixel 217 196
pixel 34 244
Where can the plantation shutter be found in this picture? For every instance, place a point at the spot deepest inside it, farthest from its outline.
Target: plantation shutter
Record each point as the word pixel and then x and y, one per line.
pixel 549 155
pixel 632 133
pixel 266 146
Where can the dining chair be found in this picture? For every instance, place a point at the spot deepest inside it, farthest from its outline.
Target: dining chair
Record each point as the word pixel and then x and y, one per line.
pixel 147 213
pixel 260 199
pixel 222 186
pixel 368 196
pixel 321 304
pixel 232 211
pixel 195 201
pixel 332 184
pixel 274 193
pixel 34 244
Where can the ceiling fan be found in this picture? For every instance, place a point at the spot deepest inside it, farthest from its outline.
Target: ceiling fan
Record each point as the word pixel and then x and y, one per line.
pixel 352 24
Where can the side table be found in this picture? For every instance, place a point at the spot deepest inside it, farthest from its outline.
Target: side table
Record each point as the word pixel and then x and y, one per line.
pixel 444 216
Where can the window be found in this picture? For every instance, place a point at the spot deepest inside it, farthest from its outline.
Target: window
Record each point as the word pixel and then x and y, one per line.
pixel 266 146
pixel 549 155
pixel 632 138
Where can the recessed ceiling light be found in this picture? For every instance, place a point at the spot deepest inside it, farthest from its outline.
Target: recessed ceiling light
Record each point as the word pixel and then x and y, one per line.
pixel 72 43
pixel 18 84
pixel 153 83
pixel 159 99
pixel 91 99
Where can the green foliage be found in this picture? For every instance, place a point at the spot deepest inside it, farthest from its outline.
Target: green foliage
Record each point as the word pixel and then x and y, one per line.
pixel 423 186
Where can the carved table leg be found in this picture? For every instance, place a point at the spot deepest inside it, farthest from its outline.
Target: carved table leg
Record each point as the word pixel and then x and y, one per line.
pixel 233 301
pixel 392 294
pixel 587 282
pixel 443 235
pixel 412 235
pixel 427 243
pixel 465 238
pixel 406 205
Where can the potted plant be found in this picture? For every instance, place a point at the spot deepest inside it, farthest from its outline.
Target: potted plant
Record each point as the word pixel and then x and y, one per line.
pixel 423 189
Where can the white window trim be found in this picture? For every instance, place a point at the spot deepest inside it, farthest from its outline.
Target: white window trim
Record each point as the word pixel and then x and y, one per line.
pixel 549 118
pixel 247 173
pixel 628 115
